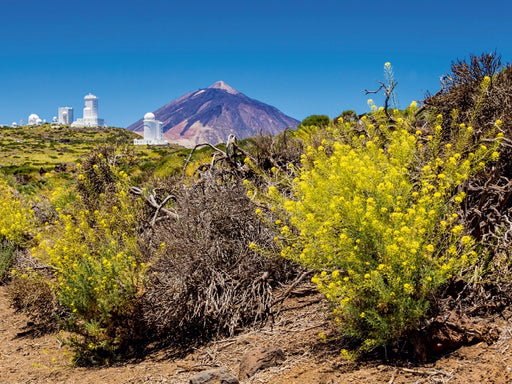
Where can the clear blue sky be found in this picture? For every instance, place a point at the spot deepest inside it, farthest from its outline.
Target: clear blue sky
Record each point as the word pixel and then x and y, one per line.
pixel 303 57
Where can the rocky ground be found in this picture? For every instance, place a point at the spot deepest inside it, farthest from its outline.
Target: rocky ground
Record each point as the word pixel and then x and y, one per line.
pixel 287 351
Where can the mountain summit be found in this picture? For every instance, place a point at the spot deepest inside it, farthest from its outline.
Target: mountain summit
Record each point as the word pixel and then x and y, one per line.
pixel 222 85
pixel 210 115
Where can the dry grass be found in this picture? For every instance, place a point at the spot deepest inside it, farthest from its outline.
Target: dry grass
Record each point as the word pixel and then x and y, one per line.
pixel 33 296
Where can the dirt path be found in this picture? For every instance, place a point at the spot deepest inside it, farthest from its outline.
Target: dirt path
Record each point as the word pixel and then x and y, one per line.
pixel 24 359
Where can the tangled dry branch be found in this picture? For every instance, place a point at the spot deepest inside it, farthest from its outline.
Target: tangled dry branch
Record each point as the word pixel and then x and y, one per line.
pixel 207 281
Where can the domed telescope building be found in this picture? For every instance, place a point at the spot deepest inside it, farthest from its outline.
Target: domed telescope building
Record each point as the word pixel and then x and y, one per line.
pixel 153 134
pixel 34 119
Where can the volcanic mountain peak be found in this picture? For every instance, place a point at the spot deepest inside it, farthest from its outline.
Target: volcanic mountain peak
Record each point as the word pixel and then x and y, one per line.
pixel 210 115
pixel 222 85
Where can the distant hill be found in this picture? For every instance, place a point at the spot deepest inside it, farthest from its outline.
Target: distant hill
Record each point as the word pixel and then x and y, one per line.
pixel 212 114
pixel 27 149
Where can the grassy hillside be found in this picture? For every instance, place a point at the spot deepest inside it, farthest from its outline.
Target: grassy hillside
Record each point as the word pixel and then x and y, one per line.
pixel 34 155
pixel 46 146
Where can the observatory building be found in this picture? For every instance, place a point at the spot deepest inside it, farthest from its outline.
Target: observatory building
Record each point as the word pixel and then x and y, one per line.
pixel 153 134
pixel 65 115
pixel 90 118
pixel 33 119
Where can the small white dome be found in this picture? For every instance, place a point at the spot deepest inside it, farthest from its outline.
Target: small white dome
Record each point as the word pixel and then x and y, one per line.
pixel 90 96
pixel 33 116
pixel 149 116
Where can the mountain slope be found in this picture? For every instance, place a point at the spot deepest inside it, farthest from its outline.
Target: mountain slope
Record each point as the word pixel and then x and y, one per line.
pixel 212 114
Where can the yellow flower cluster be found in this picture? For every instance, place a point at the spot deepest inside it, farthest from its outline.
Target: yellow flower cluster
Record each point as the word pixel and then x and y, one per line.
pixel 378 209
pixel 16 219
pixel 95 255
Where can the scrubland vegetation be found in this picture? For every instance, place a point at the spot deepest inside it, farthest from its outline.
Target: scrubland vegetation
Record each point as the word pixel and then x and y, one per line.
pixel 130 249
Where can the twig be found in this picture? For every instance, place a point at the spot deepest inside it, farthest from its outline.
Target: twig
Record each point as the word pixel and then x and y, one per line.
pixel 388 90
pixel 425 371
pixel 158 207
pixel 199 146
pixel 289 289
pixel 393 377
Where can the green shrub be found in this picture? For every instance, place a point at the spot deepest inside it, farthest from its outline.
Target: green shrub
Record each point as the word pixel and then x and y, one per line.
pixel 375 213
pixel 6 258
pixel 316 120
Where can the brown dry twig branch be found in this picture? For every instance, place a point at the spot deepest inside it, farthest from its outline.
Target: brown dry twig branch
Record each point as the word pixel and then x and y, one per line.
pixel 286 293
pixel 388 91
pixel 197 147
pixel 159 207
pixel 230 154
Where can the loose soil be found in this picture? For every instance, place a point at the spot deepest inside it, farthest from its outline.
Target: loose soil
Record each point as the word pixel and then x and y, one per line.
pixel 25 358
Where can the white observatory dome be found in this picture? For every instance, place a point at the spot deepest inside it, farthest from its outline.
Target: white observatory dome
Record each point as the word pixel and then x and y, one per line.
pixel 149 116
pixel 90 96
pixel 33 119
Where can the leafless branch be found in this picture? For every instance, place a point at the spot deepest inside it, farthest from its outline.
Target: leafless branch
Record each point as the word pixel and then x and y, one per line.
pixel 388 91
pixel 159 207
pixel 201 146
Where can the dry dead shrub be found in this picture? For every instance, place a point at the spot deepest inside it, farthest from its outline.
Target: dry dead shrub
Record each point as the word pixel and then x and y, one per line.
pixel 43 211
pixel 208 281
pixel 30 293
pixel 277 151
pixel 461 91
pixel 257 159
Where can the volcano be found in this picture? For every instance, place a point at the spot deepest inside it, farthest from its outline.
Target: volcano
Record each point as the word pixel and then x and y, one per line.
pixel 210 115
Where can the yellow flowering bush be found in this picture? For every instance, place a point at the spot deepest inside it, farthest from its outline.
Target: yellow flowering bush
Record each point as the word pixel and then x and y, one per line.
pixel 16 222
pixel 375 212
pixel 16 218
pixel 97 262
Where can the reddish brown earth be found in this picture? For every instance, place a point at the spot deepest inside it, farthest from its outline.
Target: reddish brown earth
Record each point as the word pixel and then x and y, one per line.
pixel 308 359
